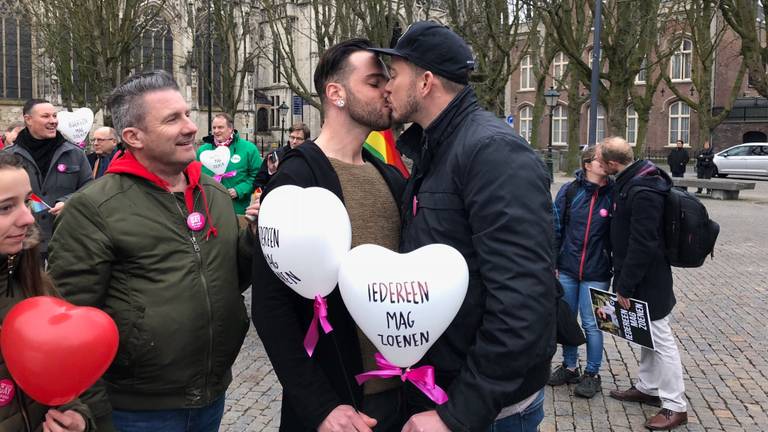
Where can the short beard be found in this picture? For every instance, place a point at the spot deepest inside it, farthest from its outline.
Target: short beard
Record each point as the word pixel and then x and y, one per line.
pixel 409 109
pixel 367 114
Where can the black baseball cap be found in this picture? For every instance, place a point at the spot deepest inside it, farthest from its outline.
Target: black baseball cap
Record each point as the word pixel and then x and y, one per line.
pixel 436 48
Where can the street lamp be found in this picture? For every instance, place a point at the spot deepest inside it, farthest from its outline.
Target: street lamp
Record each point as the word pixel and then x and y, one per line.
pixel 283 108
pixel 550 97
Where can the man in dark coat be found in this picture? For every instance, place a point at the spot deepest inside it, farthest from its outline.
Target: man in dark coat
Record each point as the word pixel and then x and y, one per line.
pixel 476 186
pixel 642 272
pixel 678 159
pixel 105 143
pixel 705 165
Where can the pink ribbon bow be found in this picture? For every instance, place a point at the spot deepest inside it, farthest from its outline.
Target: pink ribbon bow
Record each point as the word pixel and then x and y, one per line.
pixel 227 174
pixel 422 377
pixel 321 314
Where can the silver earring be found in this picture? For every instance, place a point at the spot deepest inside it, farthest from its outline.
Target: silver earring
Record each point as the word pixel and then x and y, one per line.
pixel 340 103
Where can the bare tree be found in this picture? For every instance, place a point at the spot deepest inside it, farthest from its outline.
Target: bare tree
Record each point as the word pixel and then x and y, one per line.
pixel 492 28
pixel 698 18
pixel 742 17
pixel 90 42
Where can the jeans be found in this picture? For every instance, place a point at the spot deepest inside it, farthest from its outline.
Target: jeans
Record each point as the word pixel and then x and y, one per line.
pixel 205 419
pixel 526 421
pixel 577 296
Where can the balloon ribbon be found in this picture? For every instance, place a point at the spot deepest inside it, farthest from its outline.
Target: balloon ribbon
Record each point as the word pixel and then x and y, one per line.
pixel 422 377
pixel 321 314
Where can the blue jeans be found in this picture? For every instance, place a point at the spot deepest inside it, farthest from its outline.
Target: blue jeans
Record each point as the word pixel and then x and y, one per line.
pixel 205 419
pixel 577 296
pixel 526 421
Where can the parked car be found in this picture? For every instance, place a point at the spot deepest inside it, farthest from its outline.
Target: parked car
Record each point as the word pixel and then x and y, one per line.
pixel 743 159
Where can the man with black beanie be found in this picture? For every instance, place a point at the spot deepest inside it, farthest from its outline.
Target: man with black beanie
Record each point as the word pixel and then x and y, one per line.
pixel 56 167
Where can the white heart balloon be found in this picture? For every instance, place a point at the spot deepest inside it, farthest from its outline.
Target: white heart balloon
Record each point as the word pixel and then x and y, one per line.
pixel 304 234
pixel 75 125
pixel 403 302
pixel 216 160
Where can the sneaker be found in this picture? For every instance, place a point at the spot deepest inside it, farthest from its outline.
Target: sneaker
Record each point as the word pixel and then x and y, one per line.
pixel 563 375
pixel 589 386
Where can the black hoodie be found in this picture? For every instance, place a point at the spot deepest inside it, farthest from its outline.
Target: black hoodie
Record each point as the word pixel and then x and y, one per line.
pixel 641 270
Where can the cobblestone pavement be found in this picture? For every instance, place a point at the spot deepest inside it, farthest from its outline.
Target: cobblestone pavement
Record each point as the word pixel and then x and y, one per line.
pixel 719 322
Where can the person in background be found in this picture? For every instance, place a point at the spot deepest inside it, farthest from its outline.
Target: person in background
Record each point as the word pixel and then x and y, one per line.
pixel 705 165
pixel 104 149
pixel 242 166
pixel 9 137
pixel 57 168
pixel 582 223
pixel 21 277
pixel 298 133
pixel 678 160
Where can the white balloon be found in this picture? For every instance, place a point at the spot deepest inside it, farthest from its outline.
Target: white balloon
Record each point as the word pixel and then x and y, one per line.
pixel 403 302
pixel 216 160
pixel 75 125
pixel 304 234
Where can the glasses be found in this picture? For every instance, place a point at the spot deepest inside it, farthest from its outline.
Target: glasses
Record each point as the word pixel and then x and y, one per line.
pixel 102 139
pixel 295 138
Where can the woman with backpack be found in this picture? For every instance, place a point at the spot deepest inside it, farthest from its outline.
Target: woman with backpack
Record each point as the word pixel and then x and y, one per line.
pixel 582 220
pixel 21 277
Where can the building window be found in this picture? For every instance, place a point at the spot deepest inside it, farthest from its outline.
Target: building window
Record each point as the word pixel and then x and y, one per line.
pixel 526 73
pixel 631 125
pixel 262 120
pixel 600 126
pixel 274 113
pixel 680 66
pixel 156 50
pixel 679 122
pixel 525 117
pixel 208 86
pixel 559 126
pixel 16 41
pixel 558 67
pixel 641 76
pixel 277 56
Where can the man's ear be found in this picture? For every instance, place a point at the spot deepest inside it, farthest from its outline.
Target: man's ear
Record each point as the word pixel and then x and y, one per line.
pixel 335 92
pixel 132 138
pixel 425 83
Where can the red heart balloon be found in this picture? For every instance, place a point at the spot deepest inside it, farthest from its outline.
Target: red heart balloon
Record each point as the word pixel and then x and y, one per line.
pixel 55 350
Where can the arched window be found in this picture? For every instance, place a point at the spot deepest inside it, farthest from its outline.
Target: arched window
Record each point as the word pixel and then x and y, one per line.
pixel 680 66
pixel 559 126
pixel 262 120
pixel 526 73
pixel 206 54
pixel 679 122
pixel 156 49
pixel 16 41
pixel 525 117
pixel 631 125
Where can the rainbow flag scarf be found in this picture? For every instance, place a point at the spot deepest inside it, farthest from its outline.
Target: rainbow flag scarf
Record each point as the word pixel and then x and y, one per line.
pixel 382 145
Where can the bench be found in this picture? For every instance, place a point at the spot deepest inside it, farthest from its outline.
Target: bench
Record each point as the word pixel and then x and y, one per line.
pixel 717 189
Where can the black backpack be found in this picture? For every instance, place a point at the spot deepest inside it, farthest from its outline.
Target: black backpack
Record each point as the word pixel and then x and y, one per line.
pixel 689 233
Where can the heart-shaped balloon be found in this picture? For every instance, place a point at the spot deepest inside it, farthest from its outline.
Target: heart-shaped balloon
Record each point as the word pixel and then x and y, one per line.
pixel 216 160
pixel 55 350
pixel 75 125
pixel 403 302
pixel 304 235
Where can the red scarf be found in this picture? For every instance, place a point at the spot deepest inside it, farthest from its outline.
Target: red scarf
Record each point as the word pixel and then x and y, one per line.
pixel 126 163
pixel 226 142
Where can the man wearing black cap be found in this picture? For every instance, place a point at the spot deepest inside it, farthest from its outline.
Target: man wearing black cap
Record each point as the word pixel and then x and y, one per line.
pixel 478 187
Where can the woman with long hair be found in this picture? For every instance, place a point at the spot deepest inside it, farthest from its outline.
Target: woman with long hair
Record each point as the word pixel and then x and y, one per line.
pixel 21 277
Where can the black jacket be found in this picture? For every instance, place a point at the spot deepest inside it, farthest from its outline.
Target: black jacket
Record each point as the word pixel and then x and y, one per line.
pixel 677 160
pixel 641 270
pixel 263 176
pixel 705 165
pixel 67 173
pixel 312 387
pixel 477 186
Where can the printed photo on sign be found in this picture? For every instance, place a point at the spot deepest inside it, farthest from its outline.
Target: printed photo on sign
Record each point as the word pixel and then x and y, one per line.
pixel 633 324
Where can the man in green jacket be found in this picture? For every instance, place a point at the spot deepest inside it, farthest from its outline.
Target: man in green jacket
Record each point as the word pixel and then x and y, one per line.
pixel 236 168
pixel 155 244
